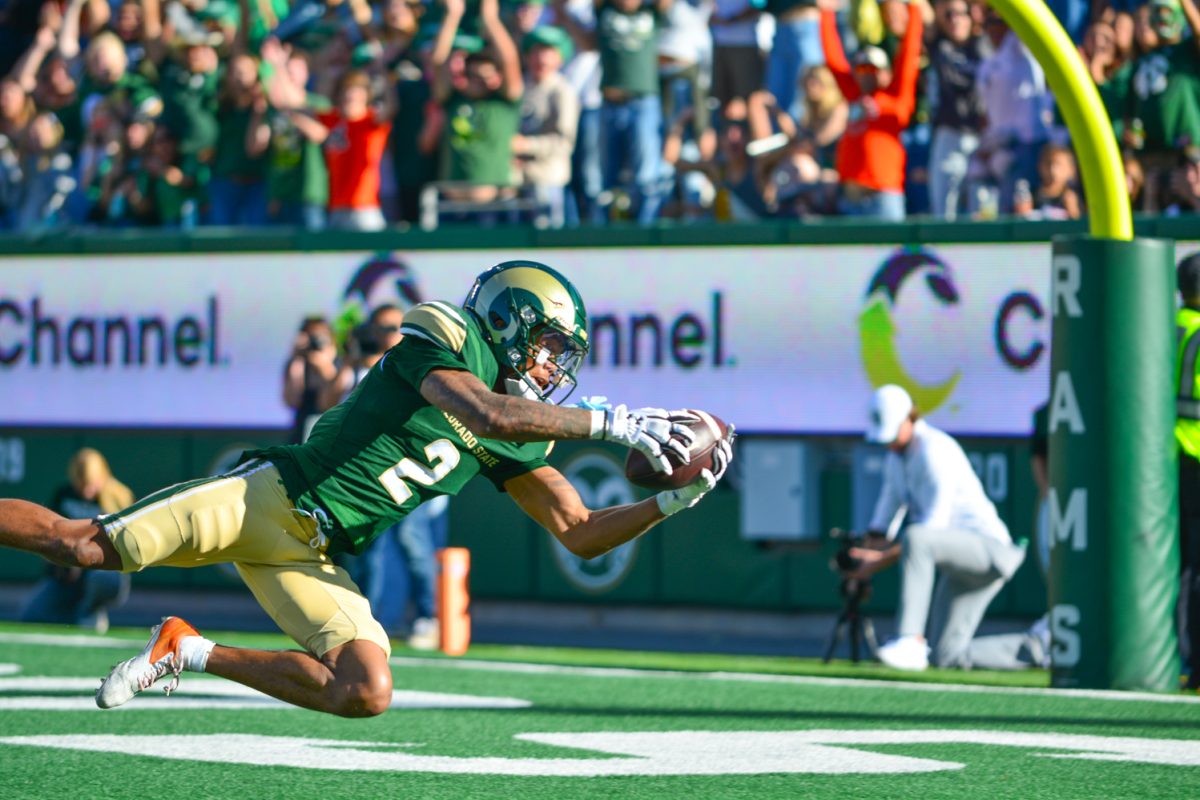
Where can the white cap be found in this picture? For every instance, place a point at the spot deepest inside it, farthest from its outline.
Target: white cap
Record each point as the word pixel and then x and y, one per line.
pixel 890 406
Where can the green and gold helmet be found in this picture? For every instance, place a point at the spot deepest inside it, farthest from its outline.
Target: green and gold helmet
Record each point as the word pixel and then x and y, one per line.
pixel 531 315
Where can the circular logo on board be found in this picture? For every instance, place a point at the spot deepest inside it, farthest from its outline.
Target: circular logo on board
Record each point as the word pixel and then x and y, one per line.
pixel 600 481
pixel 935 308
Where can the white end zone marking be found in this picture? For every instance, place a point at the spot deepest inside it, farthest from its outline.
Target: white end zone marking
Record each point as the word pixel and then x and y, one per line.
pixel 9 669
pixel 822 752
pixel 73 640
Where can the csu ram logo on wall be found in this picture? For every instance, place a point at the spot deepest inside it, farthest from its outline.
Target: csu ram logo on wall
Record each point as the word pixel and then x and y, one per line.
pixel 600 481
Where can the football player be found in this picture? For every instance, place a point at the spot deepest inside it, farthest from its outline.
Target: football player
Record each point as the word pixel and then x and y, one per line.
pixel 466 392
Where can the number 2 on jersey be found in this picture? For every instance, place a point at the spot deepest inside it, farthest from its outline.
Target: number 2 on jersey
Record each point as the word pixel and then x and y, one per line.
pixel 443 457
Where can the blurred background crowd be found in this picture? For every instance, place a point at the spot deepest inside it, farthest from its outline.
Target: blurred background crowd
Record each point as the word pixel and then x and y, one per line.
pixel 357 114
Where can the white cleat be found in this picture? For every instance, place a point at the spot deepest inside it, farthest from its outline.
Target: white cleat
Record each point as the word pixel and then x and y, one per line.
pixel 159 658
pixel 905 652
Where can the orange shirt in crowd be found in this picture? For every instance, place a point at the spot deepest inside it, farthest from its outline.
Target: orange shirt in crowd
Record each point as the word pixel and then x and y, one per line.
pixel 870 152
pixel 353 153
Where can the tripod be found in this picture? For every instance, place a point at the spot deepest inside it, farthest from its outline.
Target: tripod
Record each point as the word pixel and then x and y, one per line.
pixel 853 622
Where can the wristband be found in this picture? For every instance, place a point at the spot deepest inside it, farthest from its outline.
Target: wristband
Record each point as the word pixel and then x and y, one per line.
pixel 599 424
pixel 667 503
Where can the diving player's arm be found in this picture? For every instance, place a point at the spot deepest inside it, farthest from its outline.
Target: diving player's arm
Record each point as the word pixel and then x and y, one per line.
pixel 546 496
pixel 514 419
pixel 502 417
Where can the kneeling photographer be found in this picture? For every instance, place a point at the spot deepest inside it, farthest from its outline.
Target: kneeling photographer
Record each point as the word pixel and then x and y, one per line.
pixel 952 529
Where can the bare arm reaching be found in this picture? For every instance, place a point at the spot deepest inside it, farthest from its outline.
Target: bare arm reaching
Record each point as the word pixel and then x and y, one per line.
pixel 442 46
pixel 25 71
pixel 515 419
pixel 548 497
pixel 68 37
pixel 498 416
pixel 506 51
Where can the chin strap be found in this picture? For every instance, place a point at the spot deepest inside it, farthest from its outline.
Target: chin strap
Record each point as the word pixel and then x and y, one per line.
pixel 519 387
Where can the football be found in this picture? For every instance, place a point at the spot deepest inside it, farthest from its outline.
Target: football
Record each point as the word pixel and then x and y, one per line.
pixel 708 429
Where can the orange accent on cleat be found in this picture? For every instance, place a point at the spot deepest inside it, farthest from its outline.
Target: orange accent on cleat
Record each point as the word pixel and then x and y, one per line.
pixel 172 630
pixel 159 657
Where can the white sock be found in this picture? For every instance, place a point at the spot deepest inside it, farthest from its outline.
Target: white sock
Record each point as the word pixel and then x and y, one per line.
pixel 193 652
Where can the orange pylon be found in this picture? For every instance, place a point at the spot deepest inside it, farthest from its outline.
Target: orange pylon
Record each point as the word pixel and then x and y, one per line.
pixel 454 599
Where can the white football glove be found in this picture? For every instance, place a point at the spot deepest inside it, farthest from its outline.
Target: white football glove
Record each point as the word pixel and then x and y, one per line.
pixel 723 454
pixel 676 500
pixel 653 431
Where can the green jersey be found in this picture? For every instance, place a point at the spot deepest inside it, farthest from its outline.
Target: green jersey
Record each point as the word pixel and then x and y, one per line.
pixel 386 450
pixel 1166 85
pixel 295 166
pixel 628 45
pixel 190 107
pixel 477 139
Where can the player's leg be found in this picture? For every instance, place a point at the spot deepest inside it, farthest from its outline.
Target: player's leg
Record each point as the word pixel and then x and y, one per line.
pixel 246 517
pixel 344 668
pixel 67 542
pixel 351 680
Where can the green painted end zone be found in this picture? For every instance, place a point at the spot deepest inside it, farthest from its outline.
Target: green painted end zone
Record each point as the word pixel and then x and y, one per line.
pixel 519 722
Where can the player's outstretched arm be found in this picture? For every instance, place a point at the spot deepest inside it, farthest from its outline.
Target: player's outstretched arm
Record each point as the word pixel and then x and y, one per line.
pixel 499 416
pixel 515 419
pixel 550 499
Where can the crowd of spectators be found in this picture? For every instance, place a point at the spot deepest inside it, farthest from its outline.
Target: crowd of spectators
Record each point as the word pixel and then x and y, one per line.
pixel 344 113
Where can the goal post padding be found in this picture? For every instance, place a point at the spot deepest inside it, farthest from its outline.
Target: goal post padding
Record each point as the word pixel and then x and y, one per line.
pixel 1114 572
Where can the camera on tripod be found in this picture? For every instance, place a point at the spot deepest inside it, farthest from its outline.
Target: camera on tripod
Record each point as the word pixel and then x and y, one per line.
pixel 845 564
pixel 854 592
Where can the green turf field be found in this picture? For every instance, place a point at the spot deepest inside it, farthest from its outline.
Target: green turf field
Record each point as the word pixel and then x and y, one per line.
pixel 532 724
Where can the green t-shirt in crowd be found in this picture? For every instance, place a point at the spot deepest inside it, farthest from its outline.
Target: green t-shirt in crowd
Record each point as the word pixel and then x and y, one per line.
pixel 232 160
pixel 169 198
pixel 628 45
pixel 477 139
pixel 295 165
pixel 124 96
pixel 190 107
pixel 385 450
pixel 1166 87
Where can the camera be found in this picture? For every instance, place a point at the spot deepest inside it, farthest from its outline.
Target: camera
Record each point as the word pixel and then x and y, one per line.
pixel 851 623
pixel 317 342
pixel 844 564
pixel 366 343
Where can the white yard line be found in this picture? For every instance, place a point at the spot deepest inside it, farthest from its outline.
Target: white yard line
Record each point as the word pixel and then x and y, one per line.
pixel 72 640
pixel 801 680
pixel 196 691
pixel 83 640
